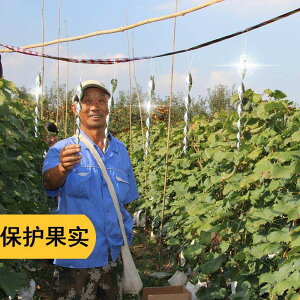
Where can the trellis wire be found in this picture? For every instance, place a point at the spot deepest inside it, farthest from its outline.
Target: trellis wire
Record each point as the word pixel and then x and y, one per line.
pixel 168 146
pixel 57 88
pixel 67 85
pixel 138 96
pixel 43 59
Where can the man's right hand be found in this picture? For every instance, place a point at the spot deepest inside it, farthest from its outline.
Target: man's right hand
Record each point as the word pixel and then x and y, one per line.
pixel 69 157
pixel 56 176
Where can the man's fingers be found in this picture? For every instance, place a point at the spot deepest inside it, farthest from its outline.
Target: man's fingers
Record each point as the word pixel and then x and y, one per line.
pixel 69 164
pixel 69 151
pixel 71 158
pixel 72 146
pixel 66 165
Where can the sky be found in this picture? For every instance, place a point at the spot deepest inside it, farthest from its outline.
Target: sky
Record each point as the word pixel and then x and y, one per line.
pixel 275 47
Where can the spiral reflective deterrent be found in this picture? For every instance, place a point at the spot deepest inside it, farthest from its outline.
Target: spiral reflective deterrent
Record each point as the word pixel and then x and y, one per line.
pixel 241 90
pixel 113 84
pixel 151 92
pixel 187 102
pixel 113 87
pixel 78 110
pixel 38 91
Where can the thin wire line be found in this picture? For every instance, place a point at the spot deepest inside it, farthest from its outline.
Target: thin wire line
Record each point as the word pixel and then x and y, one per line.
pixel 168 145
pixel 138 96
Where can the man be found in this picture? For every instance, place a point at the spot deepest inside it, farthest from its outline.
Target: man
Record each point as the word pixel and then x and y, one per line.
pixel 52 134
pixel 71 171
pixel 51 139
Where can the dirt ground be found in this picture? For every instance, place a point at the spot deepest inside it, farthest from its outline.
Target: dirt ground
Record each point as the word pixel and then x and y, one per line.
pixel 146 256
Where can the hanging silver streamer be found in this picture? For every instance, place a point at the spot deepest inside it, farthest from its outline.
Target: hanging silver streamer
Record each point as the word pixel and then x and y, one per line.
pixel 151 91
pixel 241 90
pixel 38 91
pixel 78 110
pixel 113 87
pixel 187 102
pixel 113 84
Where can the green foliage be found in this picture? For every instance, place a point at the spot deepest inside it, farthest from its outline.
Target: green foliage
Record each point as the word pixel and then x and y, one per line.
pixel 11 279
pixel 21 156
pixel 65 118
pixel 216 100
pixel 248 199
pixel 278 95
pixel 234 214
pixel 219 98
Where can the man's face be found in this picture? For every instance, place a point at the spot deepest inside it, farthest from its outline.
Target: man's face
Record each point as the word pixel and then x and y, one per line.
pixel 51 139
pixel 94 108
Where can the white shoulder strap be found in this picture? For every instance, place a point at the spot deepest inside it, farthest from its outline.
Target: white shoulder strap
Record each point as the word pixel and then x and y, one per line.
pixel 109 183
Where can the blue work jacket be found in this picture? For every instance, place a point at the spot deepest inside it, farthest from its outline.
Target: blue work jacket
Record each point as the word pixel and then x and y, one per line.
pixel 86 192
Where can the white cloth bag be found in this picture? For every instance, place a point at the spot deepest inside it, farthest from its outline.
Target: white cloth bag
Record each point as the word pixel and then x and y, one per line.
pixel 131 278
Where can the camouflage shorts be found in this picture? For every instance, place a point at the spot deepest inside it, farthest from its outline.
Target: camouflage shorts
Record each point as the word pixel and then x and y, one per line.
pixel 103 283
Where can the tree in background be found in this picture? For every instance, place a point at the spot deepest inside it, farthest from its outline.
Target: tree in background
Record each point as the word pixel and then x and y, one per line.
pixel 218 98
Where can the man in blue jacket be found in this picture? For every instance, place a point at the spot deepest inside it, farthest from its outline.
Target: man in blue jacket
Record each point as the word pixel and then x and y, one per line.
pixel 71 172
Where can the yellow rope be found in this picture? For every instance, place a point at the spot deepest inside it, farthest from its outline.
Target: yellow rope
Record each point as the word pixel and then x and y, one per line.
pixel 168 144
pixel 121 29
